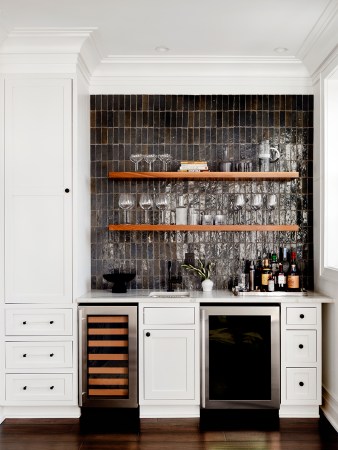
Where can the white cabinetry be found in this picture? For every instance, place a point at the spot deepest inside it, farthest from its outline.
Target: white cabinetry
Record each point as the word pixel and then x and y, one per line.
pixel 38 190
pixel 300 360
pixel 169 360
pixel 39 358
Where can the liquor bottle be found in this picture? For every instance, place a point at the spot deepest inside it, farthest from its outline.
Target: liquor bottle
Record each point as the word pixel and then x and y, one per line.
pixel 258 273
pixel 285 261
pixel 266 272
pixel 274 267
pixel 293 276
pixel 252 274
pixel 271 283
pixel 281 279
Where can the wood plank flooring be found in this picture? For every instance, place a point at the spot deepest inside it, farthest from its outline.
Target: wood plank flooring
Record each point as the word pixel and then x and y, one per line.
pixel 166 434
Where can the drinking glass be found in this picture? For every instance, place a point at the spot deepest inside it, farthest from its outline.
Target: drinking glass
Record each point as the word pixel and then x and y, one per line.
pixel 238 205
pixel 271 204
pixel 150 159
pixel 165 158
pixel 161 201
pixel 146 203
pixel 257 202
pixel 136 158
pixel 126 202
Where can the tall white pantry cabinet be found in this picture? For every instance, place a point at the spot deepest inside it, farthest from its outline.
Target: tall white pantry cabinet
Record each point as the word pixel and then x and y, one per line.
pixel 38 330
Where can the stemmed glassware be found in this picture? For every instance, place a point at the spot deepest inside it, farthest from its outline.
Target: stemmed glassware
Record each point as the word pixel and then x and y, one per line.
pixel 238 205
pixel 126 202
pixel 257 203
pixel 165 158
pixel 161 201
pixel 146 203
pixel 150 159
pixel 271 204
pixel 136 158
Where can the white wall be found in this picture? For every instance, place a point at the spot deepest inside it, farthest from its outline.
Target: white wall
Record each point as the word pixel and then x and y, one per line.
pixel 326 282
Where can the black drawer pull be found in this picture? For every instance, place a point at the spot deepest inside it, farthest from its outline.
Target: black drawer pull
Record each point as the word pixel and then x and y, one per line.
pixel 301 346
pixel 147 334
pixel 51 322
pixel 301 383
pixel 51 388
pixel 67 190
pixel 24 388
pixel 24 355
pixel 24 322
pixel 51 355
pixel 301 316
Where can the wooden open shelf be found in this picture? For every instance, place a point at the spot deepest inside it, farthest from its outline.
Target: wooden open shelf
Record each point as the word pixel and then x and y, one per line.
pixel 136 227
pixel 206 175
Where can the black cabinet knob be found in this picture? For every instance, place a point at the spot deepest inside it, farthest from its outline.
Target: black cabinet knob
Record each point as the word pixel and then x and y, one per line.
pixel 147 334
pixel 301 383
pixel 51 322
pixel 24 355
pixel 301 316
pixel 301 346
pixel 24 388
pixel 67 190
pixel 24 322
pixel 51 388
pixel 51 355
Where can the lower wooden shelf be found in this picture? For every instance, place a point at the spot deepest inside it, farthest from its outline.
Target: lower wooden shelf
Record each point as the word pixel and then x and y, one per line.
pixel 146 227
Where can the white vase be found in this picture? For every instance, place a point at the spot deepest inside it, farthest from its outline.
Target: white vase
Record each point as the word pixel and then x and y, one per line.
pixel 207 285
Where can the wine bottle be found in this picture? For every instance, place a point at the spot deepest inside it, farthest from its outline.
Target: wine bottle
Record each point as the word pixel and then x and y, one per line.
pixel 266 272
pixel 281 279
pixel 293 276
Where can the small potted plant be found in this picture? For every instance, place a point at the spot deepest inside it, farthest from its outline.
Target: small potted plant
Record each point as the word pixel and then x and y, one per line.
pixel 203 270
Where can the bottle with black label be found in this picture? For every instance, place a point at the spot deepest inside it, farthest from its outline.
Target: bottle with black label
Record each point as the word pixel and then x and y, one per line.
pixel 258 273
pixel 293 276
pixel 266 272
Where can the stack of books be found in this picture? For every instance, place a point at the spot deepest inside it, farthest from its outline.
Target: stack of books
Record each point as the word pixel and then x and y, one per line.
pixel 194 166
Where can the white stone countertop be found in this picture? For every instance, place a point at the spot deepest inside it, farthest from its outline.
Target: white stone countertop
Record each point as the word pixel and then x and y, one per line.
pixel 215 296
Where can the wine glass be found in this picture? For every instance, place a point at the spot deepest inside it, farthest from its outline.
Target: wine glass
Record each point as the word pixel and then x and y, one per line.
pixel 271 203
pixel 136 158
pixel 150 159
pixel 165 158
pixel 126 202
pixel 238 205
pixel 161 201
pixel 146 203
pixel 257 202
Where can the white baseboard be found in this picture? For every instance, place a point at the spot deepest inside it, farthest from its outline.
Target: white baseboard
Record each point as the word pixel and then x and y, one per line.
pixel 40 412
pixel 296 411
pixel 183 411
pixel 330 408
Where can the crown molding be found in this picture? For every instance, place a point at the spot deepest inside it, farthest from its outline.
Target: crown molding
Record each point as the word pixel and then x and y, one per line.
pixel 207 85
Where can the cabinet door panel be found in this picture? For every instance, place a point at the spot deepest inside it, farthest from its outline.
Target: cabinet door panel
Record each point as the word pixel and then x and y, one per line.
pixel 38 166
pixel 169 365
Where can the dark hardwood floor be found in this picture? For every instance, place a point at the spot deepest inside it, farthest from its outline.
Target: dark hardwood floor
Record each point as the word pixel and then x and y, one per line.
pixel 166 434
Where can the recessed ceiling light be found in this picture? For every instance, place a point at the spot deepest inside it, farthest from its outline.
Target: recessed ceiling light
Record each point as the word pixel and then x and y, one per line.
pixel 162 49
pixel 280 49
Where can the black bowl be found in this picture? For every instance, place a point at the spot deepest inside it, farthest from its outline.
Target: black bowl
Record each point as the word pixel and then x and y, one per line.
pixel 119 281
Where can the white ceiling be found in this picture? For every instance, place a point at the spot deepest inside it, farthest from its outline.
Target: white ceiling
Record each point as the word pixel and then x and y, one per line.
pixel 186 27
pixel 192 30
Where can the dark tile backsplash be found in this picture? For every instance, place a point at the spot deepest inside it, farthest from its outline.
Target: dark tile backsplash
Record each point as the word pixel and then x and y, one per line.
pixel 199 127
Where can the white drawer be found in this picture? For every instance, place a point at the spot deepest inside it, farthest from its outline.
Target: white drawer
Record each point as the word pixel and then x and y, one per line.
pixel 30 322
pixel 301 383
pixel 34 355
pixel 169 316
pixel 36 387
pixel 300 346
pixel 301 316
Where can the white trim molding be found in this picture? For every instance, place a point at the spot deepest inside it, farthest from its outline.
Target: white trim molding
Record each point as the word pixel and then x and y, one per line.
pixel 330 408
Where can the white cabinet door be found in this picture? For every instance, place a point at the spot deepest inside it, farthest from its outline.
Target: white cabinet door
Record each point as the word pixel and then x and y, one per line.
pixel 169 365
pixel 38 208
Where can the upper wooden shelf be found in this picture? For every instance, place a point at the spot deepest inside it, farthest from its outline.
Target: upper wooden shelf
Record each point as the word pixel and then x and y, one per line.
pixel 149 227
pixel 206 175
